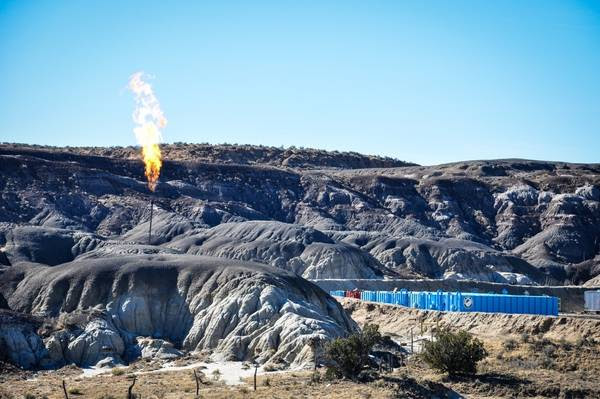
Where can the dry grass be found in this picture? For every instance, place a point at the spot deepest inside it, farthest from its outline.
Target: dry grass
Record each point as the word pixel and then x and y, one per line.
pixel 181 385
pixel 515 372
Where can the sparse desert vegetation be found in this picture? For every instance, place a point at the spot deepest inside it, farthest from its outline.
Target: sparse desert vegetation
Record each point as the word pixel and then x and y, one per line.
pixel 452 352
pixel 350 356
pixel 517 372
pixel 521 364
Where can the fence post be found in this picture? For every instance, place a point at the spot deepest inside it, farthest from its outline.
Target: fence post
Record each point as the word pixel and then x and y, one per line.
pixel 130 389
pixel 65 389
pixel 197 384
pixel 412 350
pixel 255 370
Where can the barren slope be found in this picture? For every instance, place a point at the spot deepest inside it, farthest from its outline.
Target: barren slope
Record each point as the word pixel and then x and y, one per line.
pixel 126 307
pixel 510 221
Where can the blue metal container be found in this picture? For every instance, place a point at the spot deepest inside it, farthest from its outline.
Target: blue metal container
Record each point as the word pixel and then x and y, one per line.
pixel 499 303
pixel 463 301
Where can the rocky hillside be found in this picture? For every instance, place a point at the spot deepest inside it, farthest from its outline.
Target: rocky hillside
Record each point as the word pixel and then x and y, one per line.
pixel 318 214
pixel 307 158
pixel 114 310
pixel 236 232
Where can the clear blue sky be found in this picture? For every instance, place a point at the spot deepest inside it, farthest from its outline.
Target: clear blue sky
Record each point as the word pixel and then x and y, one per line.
pixel 425 81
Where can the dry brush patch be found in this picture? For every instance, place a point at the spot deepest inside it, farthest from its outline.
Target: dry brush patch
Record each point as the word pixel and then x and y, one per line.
pixel 557 359
pixel 181 384
pixel 496 378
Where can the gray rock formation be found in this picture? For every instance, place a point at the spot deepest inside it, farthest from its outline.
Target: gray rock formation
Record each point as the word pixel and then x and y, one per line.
pixel 77 200
pixel 100 339
pixel 19 341
pixel 445 259
pixel 237 310
pixel 303 250
pixel 157 348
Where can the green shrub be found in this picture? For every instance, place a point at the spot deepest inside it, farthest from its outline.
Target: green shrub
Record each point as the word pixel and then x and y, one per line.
pixel 117 371
pixel 350 355
pixel 453 353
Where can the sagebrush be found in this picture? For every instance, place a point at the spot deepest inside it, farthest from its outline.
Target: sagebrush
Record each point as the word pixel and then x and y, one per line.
pixel 453 352
pixel 348 356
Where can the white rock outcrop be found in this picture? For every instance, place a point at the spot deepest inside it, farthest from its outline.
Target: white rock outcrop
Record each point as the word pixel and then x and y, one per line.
pixel 236 310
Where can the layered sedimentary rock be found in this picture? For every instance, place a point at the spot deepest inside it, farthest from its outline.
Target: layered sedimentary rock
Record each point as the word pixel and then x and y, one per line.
pixel 303 250
pixel 114 309
pixel 486 220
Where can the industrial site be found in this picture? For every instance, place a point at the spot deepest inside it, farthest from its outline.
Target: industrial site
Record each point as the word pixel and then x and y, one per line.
pixel 296 200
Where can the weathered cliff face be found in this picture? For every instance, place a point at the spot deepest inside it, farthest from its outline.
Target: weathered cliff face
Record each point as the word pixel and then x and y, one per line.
pixel 508 220
pixel 236 310
pixel 303 250
pixel 446 258
pixel 19 342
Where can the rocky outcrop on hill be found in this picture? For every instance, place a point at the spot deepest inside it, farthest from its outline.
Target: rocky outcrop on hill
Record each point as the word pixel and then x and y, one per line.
pixel 302 250
pixel 113 310
pixel 507 220
pixel 47 245
pixel 445 258
pixel 233 154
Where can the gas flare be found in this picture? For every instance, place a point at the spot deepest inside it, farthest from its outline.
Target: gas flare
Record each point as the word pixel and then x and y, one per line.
pixel 149 119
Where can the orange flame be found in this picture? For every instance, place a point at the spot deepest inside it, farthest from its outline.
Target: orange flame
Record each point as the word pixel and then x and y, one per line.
pixel 149 119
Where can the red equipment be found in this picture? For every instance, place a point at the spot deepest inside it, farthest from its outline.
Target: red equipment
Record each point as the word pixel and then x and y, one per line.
pixel 352 294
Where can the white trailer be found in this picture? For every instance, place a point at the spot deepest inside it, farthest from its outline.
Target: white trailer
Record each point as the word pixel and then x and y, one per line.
pixel 592 301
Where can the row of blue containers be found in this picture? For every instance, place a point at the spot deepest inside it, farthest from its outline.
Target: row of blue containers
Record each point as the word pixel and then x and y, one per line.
pixel 464 302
